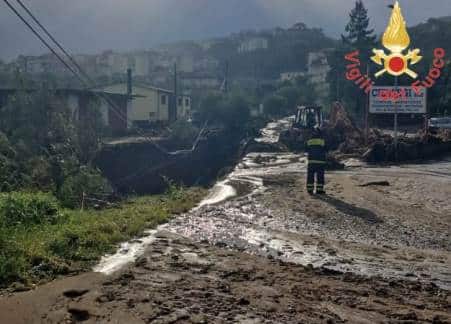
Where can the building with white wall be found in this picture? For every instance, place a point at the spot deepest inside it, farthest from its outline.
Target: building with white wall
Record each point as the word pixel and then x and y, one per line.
pixel 318 69
pixel 151 104
pixel 291 76
pixel 253 44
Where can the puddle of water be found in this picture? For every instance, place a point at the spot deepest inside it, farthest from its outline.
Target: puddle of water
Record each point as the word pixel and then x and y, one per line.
pixel 127 252
pixel 270 134
pixel 220 192
pixel 254 165
pixel 294 250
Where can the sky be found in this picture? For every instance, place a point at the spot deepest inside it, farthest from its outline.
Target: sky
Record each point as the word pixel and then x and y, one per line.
pixel 91 26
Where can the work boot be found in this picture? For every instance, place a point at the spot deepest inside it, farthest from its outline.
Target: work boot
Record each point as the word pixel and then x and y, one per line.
pixel 320 192
pixel 310 192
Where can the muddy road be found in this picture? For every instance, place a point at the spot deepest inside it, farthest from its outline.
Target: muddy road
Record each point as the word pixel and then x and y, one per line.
pixel 258 249
pixel 400 229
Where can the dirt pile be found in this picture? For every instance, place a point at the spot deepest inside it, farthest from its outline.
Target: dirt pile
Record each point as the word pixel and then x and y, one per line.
pixel 345 139
pixel 422 146
pixel 341 132
pixel 445 134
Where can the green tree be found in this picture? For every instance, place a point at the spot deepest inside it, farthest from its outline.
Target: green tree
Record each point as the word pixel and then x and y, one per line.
pixel 307 92
pixel 183 134
pixel 274 105
pixel 358 35
pixel 209 109
pixel 90 128
pixel 291 95
pixel 43 147
pixel 231 111
pixel 236 112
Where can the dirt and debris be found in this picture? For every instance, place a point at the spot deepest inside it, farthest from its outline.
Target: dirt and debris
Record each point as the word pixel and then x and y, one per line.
pixel 259 249
pixel 346 140
pixel 341 132
pixel 178 281
pixel 349 140
pixel 383 183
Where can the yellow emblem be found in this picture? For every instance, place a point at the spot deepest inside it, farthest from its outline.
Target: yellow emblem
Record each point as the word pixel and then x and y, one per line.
pixel 396 40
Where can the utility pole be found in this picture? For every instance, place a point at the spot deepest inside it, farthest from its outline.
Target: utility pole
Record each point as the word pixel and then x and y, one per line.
pixel 367 108
pixel 175 93
pixel 396 122
pixel 226 80
pixel 129 82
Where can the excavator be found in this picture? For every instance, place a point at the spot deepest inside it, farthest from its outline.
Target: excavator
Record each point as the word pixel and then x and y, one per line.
pixel 306 119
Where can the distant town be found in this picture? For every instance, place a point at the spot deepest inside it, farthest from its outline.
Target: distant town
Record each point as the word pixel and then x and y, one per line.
pixel 199 67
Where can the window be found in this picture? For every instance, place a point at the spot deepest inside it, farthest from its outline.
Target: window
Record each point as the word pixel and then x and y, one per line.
pixel 180 102
pixel 186 102
pixel 163 99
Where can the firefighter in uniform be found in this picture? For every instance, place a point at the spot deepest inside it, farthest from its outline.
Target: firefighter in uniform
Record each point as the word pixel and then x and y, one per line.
pixel 316 150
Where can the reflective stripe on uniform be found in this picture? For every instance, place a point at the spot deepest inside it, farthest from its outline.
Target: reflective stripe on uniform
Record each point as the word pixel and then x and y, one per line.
pixel 316 142
pixel 316 162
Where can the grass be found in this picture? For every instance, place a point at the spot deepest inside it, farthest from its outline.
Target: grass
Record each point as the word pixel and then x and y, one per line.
pixel 38 252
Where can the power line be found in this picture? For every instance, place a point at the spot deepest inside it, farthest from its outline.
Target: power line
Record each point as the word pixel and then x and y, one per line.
pixel 74 62
pixel 36 33
pixel 71 59
pixel 42 39
pixel 100 95
pixel 113 106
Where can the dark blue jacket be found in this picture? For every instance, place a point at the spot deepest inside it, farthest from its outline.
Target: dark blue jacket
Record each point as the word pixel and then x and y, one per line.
pixel 316 150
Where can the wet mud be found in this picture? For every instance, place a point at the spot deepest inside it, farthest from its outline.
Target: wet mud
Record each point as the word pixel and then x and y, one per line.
pixel 179 281
pixel 259 249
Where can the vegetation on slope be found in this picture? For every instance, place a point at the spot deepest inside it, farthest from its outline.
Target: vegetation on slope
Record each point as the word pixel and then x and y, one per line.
pixel 40 240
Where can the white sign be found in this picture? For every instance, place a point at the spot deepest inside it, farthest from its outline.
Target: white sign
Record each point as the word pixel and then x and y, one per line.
pixel 385 100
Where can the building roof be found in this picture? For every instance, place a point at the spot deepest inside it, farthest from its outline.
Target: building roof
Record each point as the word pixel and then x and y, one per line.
pixel 123 86
pixel 63 90
pixel 138 85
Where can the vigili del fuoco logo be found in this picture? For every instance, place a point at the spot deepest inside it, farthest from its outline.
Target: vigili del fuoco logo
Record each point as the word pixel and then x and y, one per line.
pixel 395 61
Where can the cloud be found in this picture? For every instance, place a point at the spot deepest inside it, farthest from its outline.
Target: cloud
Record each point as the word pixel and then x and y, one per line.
pixel 94 25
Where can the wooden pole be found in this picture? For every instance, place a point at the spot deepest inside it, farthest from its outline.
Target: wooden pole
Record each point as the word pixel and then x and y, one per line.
pixel 82 201
pixel 175 93
pixel 367 108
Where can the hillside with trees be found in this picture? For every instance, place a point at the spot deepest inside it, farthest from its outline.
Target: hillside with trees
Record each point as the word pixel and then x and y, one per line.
pixel 287 50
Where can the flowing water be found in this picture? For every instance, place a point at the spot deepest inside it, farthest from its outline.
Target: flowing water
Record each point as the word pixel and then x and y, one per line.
pixel 235 215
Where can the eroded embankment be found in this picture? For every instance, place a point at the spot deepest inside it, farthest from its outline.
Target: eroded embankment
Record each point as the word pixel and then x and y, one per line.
pixel 139 166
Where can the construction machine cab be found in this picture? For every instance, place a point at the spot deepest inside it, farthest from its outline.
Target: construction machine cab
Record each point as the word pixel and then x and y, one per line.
pixel 306 120
pixel 308 117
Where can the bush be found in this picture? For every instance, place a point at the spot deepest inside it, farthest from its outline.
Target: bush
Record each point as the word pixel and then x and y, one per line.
pixel 275 106
pixel 231 111
pixel 31 254
pixel 77 244
pixel 18 208
pixel 87 182
pixel 12 260
pixel 174 191
pixel 183 133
